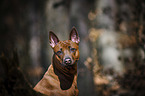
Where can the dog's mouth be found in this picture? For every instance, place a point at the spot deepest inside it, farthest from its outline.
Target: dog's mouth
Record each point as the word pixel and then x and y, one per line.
pixel 69 66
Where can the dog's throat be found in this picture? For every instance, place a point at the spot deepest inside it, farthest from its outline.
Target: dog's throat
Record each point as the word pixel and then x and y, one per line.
pixel 65 75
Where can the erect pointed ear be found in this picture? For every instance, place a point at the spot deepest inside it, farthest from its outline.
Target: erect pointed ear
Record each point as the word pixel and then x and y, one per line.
pixel 74 36
pixel 53 39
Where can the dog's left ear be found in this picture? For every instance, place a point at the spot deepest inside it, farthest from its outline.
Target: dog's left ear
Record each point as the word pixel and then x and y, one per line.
pixel 74 36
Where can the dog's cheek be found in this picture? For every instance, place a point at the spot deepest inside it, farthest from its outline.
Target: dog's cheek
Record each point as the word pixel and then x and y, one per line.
pixel 59 58
pixel 77 55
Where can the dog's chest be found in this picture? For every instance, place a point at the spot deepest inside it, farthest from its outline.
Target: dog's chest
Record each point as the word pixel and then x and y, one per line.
pixel 50 85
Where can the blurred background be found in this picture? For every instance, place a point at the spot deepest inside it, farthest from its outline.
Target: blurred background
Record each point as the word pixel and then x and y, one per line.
pixel 112 47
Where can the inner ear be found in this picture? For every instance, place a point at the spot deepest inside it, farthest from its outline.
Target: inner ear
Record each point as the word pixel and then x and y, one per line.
pixel 53 39
pixel 74 36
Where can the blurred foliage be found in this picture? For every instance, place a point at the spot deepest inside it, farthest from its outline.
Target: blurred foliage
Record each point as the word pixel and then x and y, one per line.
pixel 13 82
pixel 129 21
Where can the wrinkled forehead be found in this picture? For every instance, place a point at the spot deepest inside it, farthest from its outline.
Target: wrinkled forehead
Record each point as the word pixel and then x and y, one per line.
pixel 66 44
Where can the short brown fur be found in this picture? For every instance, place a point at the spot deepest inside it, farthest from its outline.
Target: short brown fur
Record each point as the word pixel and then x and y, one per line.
pixel 61 76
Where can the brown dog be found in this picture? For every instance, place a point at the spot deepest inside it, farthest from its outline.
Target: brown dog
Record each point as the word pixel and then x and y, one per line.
pixel 61 76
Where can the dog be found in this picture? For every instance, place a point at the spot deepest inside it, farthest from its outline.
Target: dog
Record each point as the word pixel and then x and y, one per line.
pixel 61 76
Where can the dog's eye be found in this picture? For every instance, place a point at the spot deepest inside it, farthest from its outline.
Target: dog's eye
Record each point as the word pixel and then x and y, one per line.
pixel 59 52
pixel 73 49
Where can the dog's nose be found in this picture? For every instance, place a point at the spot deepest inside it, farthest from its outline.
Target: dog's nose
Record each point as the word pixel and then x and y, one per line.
pixel 67 61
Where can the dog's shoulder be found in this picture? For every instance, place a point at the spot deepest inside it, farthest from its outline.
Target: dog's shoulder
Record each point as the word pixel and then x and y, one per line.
pixel 48 82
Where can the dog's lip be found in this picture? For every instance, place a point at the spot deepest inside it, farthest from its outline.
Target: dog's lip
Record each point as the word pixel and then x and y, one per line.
pixel 65 65
pixel 69 66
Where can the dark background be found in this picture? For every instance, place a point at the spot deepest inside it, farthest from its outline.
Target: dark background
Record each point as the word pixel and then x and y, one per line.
pixel 112 47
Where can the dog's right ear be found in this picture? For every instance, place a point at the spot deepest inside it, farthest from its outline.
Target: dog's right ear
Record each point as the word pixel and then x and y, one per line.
pixel 53 39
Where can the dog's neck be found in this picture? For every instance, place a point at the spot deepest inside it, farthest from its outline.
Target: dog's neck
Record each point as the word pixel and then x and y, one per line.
pixel 65 74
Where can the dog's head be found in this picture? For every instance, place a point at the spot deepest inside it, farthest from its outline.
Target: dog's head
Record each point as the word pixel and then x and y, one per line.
pixel 67 52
